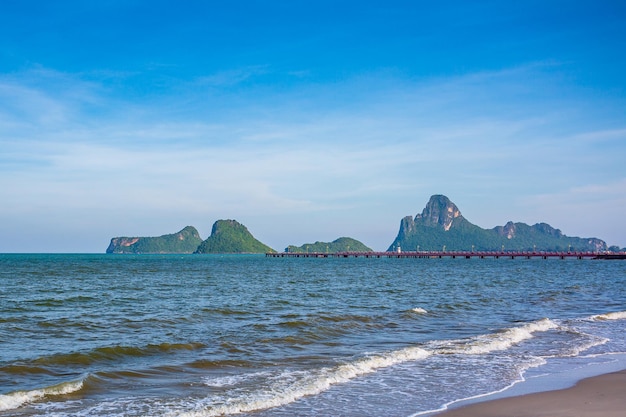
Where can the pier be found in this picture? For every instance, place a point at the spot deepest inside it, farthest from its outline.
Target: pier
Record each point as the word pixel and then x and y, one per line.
pixel 453 255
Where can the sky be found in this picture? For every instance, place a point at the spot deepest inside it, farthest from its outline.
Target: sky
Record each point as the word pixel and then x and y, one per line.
pixel 307 120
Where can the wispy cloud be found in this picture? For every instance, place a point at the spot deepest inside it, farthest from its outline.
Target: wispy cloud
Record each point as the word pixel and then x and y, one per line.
pixel 365 151
pixel 231 77
pixel 589 210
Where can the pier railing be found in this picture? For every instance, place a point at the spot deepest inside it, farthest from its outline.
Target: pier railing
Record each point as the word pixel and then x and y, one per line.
pixel 453 254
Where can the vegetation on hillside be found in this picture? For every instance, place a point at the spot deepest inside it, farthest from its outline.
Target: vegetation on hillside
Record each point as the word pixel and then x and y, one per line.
pixel 343 244
pixel 230 236
pixel 185 241
pixel 442 227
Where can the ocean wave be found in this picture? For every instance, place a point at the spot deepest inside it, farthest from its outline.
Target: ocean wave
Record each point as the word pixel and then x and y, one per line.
pixel 323 320
pixel 290 386
pixel 294 324
pixel 582 347
pixel 232 380
pixel 218 364
pixel 230 394
pixel 109 353
pixel 291 341
pixel 501 340
pixel 293 385
pixel 617 315
pixel 346 318
pixel 25 369
pixel 17 399
pixel 227 311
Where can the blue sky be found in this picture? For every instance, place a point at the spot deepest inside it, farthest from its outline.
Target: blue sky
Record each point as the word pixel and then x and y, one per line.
pixel 307 121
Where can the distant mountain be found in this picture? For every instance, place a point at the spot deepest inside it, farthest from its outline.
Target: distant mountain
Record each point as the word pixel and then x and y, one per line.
pixel 230 236
pixel 343 244
pixel 185 241
pixel 441 224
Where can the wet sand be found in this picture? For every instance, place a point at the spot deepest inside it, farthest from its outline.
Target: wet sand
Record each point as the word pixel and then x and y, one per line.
pixel 601 396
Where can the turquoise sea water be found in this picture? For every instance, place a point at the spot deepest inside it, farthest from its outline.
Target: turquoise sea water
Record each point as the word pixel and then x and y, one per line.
pixel 205 335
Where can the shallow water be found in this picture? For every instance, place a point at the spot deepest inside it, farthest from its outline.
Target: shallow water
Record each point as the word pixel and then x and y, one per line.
pixel 203 335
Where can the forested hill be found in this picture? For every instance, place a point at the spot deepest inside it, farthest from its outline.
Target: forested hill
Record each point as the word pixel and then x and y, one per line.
pixel 441 224
pixel 343 244
pixel 230 236
pixel 227 236
pixel 185 241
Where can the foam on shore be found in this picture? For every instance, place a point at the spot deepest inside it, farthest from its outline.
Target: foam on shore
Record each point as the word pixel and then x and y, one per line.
pixel 549 377
pixel 600 396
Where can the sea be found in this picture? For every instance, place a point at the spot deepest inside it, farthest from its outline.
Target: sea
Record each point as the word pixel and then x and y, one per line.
pixel 249 335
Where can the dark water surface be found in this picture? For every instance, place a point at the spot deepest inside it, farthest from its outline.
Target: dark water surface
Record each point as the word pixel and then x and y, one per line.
pixel 204 335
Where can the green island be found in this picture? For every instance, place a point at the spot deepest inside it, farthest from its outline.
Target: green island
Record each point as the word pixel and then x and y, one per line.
pixel 230 236
pixel 185 241
pixel 439 227
pixel 343 244
pixel 227 236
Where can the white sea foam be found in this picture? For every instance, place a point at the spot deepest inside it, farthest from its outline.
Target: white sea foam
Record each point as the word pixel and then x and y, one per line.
pixel 291 386
pixel 534 363
pixel 232 380
pixel 617 315
pixel 509 337
pixel 16 399
pixel 496 341
pixel 593 341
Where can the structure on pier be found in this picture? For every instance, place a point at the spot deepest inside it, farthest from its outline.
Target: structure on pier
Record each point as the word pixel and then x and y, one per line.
pixel 453 254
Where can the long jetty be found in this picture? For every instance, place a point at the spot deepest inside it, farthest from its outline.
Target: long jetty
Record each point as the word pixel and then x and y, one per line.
pixel 453 255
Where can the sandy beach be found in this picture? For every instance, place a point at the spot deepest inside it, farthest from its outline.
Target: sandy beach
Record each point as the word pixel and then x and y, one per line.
pixel 601 396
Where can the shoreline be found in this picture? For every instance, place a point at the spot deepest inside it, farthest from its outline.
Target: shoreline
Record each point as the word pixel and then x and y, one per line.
pixel 598 396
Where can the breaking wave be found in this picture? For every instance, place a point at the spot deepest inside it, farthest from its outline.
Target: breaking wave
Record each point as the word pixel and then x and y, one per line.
pixel 617 315
pixel 290 386
pixel 16 399
pixel 276 389
pixel 294 385
pixel 495 341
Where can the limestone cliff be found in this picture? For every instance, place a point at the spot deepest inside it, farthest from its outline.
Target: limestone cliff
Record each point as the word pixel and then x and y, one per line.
pixel 439 211
pixel 441 225
pixel 185 241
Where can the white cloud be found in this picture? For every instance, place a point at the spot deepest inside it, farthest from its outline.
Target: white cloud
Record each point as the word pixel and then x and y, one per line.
pixel 590 210
pixel 358 161
pixel 228 78
pixel 598 137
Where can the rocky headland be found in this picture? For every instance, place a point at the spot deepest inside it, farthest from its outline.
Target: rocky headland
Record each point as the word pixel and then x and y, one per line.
pixel 185 241
pixel 442 226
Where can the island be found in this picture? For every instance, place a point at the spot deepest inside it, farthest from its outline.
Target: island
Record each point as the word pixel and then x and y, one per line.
pixel 441 226
pixel 227 236
pixel 230 236
pixel 185 241
pixel 343 244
